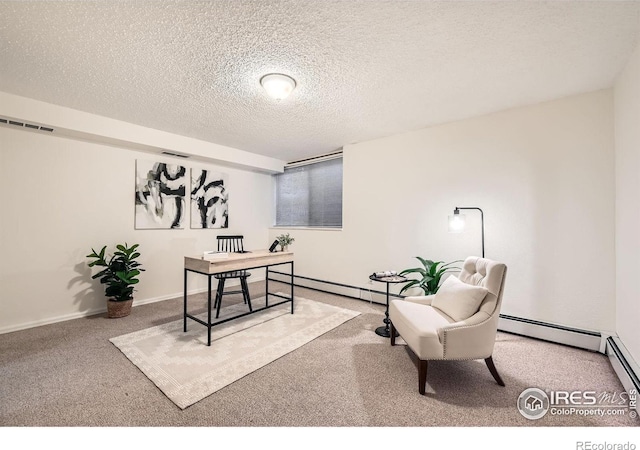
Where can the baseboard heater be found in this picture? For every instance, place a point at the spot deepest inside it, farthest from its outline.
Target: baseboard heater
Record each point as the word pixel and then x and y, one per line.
pixel 589 340
pixel 331 287
pixel 574 337
pixel 623 364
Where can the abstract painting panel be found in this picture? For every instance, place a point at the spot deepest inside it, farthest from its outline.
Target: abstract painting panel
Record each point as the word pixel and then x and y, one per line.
pixel 160 195
pixel 209 200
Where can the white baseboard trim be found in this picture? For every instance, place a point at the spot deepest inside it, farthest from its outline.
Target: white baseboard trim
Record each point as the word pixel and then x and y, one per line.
pixel 625 367
pixel 87 313
pixel 102 310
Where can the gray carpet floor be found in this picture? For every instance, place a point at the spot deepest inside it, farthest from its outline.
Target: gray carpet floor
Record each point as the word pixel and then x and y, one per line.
pixel 69 375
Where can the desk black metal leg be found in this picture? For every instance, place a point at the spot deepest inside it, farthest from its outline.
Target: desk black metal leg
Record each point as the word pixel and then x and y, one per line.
pixel 291 287
pixel 184 317
pixel 266 289
pixel 209 311
pixel 245 292
pixel 219 294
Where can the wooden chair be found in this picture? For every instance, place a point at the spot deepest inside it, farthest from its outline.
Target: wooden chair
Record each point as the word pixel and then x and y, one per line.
pixel 232 244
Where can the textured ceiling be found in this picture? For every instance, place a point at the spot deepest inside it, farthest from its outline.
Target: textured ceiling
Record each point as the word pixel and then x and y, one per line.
pixel 365 69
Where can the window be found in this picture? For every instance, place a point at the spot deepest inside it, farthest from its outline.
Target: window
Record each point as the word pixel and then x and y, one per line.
pixel 310 195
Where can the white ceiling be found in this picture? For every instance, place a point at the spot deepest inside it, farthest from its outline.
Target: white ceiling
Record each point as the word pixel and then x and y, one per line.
pixel 364 69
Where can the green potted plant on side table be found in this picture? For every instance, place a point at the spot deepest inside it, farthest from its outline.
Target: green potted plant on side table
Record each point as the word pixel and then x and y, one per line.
pixel 284 240
pixel 430 275
pixel 120 275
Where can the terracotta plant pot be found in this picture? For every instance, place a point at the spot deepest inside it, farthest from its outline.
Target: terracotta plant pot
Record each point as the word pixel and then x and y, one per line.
pixel 118 309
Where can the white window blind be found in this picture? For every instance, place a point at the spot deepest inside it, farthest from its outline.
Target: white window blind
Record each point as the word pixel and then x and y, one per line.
pixel 310 195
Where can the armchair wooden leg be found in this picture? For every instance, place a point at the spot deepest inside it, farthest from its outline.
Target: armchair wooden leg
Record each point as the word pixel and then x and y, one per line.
pixel 422 376
pixel 494 372
pixel 392 330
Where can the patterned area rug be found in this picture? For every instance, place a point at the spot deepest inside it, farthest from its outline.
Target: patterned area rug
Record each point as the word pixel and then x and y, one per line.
pixel 187 370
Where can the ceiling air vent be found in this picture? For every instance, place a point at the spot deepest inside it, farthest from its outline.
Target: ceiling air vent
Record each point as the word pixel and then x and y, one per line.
pixel 314 159
pixel 25 125
pixel 174 154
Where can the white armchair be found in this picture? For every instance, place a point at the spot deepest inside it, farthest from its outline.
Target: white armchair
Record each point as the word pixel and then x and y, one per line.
pixel 459 322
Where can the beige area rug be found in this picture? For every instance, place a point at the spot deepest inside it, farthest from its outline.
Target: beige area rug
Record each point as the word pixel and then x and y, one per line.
pixel 187 370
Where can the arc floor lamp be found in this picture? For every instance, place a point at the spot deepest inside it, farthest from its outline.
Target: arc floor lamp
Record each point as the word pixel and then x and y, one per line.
pixel 456 221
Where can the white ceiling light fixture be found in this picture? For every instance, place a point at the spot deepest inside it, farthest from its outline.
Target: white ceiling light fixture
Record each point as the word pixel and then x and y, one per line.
pixel 278 85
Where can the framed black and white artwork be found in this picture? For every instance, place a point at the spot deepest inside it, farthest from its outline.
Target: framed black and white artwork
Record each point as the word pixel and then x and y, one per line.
pixel 209 199
pixel 160 195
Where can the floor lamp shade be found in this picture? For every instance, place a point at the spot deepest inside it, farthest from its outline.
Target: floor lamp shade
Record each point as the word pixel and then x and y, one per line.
pixel 456 221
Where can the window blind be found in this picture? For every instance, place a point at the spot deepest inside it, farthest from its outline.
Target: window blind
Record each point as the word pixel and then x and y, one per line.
pixel 310 195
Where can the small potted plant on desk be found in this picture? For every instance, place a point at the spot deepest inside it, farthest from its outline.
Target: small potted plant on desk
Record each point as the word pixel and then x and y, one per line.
pixel 284 240
pixel 120 275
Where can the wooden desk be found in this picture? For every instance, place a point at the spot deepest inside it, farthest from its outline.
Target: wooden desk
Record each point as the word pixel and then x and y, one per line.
pixel 235 261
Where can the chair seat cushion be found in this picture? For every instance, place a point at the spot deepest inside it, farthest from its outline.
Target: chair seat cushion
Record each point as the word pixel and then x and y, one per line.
pixel 233 274
pixel 418 325
pixel 458 299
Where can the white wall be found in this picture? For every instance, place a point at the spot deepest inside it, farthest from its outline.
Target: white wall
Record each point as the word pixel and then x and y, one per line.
pixel 60 197
pixel 544 176
pixel 627 145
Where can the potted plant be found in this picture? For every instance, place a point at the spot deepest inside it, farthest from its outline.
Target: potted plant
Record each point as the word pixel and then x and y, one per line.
pixel 284 240
pixel 120 275
pixel 430 275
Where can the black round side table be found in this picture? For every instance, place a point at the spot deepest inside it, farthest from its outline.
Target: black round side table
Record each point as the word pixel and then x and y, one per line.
pixel 384 331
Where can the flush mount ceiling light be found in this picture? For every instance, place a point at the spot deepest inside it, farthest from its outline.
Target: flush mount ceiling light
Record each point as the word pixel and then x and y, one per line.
pixel 278 85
